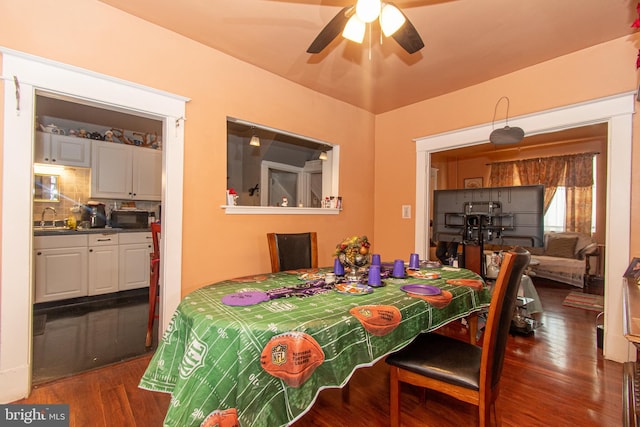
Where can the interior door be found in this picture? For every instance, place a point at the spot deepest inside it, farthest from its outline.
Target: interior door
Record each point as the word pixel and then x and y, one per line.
pixel 283 184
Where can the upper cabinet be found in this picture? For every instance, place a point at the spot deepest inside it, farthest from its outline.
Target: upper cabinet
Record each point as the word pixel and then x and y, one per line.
pixel 62 150
pixel 121 171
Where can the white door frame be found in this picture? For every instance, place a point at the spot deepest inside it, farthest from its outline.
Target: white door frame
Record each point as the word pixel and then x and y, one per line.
pixel 16 293
pixel 617 111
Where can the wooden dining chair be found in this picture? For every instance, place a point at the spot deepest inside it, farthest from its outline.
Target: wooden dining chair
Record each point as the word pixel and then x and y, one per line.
pixel 291 251
pixel 459 369
pixel 154 280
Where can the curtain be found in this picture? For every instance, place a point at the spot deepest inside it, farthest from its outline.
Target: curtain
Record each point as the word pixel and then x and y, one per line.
pixel 501 174
pixel 579 182
pixel 575 172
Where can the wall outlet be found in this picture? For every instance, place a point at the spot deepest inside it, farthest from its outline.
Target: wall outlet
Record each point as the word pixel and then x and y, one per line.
pixel 406 211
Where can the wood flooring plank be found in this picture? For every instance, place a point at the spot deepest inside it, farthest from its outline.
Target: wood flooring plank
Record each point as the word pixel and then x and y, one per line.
pixel 116 408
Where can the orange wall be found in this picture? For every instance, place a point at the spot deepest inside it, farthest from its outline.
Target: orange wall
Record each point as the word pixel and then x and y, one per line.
pixel 592 73
pixel 92 35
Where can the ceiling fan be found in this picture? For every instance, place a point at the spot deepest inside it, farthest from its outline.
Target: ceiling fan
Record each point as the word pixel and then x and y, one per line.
pixel 351 21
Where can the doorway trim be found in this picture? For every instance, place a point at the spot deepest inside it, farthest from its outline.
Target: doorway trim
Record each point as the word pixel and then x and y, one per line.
pixel 617 111
pixel 16 294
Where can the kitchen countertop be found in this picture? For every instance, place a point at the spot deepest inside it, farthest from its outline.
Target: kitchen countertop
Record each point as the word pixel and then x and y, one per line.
pixel 106 230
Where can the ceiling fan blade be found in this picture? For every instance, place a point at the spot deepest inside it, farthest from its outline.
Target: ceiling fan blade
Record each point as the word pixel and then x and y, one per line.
pixel 407 37
pixel 331 30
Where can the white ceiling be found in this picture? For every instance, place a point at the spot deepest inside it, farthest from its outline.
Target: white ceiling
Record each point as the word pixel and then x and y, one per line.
pixel 466 41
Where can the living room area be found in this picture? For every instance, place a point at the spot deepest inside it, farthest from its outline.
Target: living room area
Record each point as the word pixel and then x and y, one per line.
pixel 569 257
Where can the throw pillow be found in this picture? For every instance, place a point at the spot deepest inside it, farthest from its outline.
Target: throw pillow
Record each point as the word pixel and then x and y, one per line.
pixel 536 251
pixel 563 247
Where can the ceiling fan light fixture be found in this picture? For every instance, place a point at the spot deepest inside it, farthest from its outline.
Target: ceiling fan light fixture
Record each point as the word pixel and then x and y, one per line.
pixel 368 10
pixel 354 30
pixel 391 19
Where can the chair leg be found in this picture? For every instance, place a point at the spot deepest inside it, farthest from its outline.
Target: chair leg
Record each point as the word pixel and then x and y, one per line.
pixel 345 394
pixel 484 414
pixel 422 395
pixel 394 398
pixel 495 414
pixel 153 298
pixel 472 321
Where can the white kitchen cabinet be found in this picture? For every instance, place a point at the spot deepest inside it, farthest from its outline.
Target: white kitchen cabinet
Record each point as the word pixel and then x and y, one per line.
pixel 62 150
pixel 146 178
pixel 125 172
pixel 103 263
pixel 134 250
pixel 60 267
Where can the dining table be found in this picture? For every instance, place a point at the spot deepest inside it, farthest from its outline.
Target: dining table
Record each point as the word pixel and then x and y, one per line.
pixel 256 351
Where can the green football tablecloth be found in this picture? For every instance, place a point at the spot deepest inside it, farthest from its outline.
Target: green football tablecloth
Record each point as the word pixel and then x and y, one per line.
pixel 209 356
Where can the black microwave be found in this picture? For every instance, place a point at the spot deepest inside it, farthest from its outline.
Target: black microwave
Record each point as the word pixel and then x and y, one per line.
pixel 129 219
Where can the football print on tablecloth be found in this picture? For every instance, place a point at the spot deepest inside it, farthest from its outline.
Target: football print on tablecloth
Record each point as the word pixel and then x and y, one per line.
pixel 292 357
pixel 438 301
pixel 226 418
pixel 379 320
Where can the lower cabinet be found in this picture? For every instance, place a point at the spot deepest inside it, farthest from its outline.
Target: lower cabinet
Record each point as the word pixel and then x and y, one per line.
pixel 60 264
pixel 103 264
pixel 134 251
pixel 72 266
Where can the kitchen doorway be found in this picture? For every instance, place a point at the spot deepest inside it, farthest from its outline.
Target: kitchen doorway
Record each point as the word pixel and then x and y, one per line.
pixel 23 74
pixel 103 325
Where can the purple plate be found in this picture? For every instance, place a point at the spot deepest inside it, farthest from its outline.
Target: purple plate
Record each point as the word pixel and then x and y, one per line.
pixel 421 289
pixel 245 298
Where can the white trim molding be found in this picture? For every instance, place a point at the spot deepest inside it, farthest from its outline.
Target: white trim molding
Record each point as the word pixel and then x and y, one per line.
pixel 39 75
pixel 617 111
pixel 273 210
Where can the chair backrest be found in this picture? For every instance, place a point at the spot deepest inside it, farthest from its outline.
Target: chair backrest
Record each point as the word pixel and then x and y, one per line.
pixel 501 311
pixel 155 235
pixel 293 250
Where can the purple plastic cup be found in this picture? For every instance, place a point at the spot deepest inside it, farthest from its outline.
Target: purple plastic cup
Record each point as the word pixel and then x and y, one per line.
pixel 398 269
pixel 374 275
pixel 338 268
pixel 414 262
pixel 375 259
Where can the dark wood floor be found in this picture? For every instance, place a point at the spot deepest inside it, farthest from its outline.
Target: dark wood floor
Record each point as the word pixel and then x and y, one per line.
pixel 555 377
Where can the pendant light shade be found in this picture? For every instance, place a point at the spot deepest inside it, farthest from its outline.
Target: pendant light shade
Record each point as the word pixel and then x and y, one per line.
pixel 507 135
pixel 255 141
pixel 323 156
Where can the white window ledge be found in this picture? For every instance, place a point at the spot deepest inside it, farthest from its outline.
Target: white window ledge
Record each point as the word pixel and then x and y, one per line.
pixel 273 210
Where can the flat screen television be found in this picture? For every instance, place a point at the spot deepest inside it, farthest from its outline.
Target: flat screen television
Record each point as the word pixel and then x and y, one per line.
pixel 497 215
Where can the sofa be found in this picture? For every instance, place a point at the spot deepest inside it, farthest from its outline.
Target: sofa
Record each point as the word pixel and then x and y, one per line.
pixel 565 257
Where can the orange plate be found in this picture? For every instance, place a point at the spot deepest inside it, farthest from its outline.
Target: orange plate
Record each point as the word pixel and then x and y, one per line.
pixel 472 283
pixel 424 274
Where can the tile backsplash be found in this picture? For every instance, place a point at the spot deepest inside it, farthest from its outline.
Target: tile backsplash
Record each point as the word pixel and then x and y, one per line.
pixel 75 188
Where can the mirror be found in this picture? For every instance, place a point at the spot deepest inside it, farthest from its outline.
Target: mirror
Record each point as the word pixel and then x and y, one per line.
pixel 270 167
pixel 46 188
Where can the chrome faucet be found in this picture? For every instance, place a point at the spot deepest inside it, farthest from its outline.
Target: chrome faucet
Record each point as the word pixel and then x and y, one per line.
pixel 45 211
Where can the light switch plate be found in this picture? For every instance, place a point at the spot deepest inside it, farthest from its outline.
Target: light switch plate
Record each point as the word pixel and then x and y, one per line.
pixel 406 211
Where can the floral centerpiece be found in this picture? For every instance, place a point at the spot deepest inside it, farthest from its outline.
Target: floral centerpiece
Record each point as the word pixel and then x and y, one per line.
pixel 353 253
